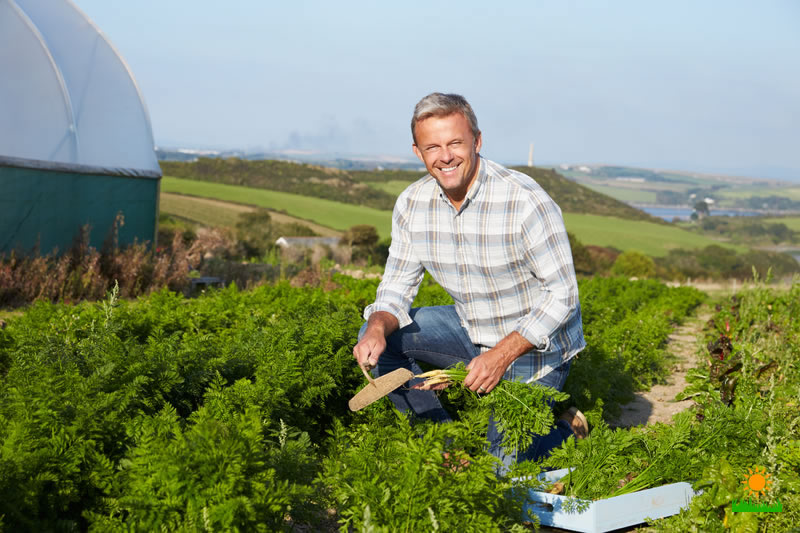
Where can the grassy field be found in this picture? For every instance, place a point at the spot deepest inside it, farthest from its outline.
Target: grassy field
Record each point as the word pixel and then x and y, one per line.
pixel 793 223
pixel 393 187
pixel 336 215
pixel 652 239
pixel 792 193
pixel 203 210
pixel 647 237
pixel 220 213
pixel 624 194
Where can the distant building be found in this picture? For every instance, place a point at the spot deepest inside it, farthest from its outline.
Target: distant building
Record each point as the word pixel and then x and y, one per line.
pixel 306 242
pixel 586 169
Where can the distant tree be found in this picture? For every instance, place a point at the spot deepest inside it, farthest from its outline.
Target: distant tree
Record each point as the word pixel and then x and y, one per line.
pixel 254 233
pixel 701 208
pixel 634 264
pixel 581 257
pixel 363 239
pixel 361 235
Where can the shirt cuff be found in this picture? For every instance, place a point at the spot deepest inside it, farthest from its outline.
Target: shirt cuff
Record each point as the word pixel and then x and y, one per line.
pixel 540 341
pixel 402 316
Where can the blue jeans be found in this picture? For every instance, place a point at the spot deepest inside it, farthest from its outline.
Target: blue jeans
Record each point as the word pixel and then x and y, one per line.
pixel 436 337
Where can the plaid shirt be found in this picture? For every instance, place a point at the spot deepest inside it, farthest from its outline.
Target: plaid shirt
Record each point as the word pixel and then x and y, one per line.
pixel 504 257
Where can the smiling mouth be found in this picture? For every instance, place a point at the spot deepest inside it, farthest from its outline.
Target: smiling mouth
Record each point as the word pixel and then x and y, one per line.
pixel 449 169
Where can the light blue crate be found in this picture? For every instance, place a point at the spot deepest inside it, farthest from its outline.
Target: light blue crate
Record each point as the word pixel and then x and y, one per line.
pixel 611 513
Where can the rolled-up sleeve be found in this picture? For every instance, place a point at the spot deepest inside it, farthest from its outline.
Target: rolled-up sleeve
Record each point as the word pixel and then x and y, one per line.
pixel 403 272
pixel 548 252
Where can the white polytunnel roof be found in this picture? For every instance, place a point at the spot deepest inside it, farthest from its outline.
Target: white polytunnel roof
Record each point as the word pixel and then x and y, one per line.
pixel 67 98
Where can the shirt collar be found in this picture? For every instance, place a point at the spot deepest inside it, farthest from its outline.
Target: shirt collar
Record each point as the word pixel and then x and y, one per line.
pixel 474 189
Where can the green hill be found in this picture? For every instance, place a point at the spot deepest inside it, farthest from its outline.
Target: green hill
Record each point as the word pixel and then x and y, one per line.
pixel 284 176
pixel 575 198
pixel 377 188
pixel 329 213
pixel 624 234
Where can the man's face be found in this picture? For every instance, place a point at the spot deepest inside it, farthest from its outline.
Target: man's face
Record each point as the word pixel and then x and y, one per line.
pixel 450 152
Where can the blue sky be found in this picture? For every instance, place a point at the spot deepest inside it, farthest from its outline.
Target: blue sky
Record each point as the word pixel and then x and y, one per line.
pixel 709 86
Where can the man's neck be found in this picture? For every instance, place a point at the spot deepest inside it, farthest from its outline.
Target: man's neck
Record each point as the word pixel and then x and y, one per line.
pixel 458 200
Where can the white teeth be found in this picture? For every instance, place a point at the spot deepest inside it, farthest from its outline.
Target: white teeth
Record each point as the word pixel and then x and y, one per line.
pixel 448 169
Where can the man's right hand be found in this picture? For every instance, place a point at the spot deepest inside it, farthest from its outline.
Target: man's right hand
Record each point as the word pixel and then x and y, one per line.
pixel 369 349
pixel 373 343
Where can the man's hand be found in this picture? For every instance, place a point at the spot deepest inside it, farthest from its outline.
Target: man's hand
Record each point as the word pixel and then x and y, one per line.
pixel 487 369
pixel 369 348
pixel 373 343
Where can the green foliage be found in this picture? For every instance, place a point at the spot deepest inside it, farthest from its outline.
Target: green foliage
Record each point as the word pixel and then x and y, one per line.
pixel 296 178
pixel 103 406
pixel 349 186
pixel 625 324
pixel 361 235
pixel 701 208
pixel 388 475
pixel 772 202
pixel 228 412
pixel 746 390
pixel 522 410
pixel 208 474
pixel 749 230
pixel 256 232
pixel 717 262
pixel 634 264
pixel 581 257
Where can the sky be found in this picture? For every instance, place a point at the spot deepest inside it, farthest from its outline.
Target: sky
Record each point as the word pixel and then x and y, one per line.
pixel 705 86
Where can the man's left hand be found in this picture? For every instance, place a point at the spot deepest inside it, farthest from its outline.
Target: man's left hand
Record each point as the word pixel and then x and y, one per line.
pixel 486 371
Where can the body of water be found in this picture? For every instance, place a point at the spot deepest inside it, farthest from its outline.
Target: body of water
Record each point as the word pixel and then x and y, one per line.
pixel 683 213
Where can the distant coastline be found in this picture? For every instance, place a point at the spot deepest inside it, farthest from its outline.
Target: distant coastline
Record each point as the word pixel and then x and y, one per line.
pixel 684 212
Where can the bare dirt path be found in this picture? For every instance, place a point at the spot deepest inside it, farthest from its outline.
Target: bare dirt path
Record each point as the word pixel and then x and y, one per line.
pixel 657 404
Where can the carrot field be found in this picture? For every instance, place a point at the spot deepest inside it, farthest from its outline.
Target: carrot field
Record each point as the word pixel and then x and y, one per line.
pixel 229 412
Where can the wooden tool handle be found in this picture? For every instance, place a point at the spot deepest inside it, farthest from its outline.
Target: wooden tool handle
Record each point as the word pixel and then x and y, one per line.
pixel 366 374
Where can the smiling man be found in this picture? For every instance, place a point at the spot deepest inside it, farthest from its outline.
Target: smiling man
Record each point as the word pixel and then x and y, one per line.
pixel 496 242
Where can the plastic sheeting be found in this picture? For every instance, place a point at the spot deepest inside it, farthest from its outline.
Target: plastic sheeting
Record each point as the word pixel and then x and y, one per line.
pixel 66 96
pixel 42 210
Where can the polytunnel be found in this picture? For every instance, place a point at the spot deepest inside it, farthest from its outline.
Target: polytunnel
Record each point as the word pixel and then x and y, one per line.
pixel 76 146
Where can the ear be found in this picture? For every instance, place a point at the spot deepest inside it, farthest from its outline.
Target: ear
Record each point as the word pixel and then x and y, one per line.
pixel 417 152
pixel 478 143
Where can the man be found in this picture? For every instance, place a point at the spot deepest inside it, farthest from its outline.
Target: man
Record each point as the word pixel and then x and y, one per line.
pixel 495 241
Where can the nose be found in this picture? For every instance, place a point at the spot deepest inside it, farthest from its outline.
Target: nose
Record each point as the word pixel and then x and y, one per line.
pixel 446 154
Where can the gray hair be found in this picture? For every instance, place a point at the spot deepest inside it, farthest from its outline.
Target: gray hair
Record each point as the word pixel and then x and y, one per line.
pixel 442 105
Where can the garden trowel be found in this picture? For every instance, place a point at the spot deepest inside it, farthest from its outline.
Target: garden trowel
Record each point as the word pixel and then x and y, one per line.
pixel 378 388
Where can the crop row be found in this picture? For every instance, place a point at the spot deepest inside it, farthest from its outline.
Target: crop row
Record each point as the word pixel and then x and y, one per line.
pixel 745 423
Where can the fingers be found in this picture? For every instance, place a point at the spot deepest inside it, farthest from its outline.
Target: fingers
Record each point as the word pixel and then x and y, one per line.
pixel 483 375
pixel 478 380
pixel 368 350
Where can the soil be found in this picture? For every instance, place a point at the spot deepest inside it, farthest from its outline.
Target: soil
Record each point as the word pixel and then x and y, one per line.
pixel 658 404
